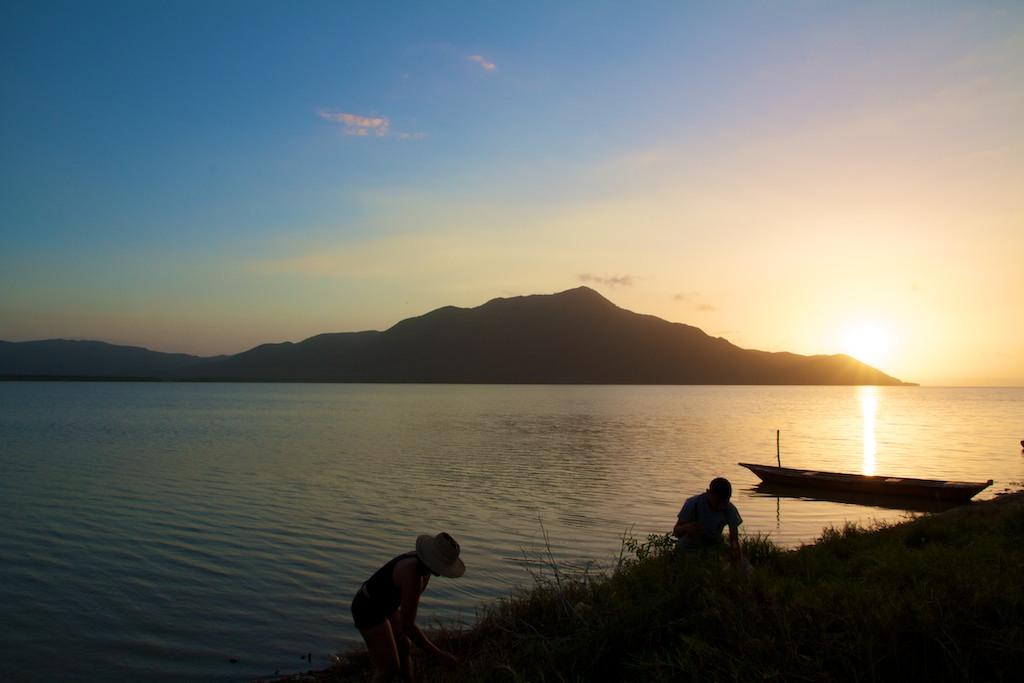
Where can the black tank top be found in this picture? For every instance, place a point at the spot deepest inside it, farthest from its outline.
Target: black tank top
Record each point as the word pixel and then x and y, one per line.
pixel 383 592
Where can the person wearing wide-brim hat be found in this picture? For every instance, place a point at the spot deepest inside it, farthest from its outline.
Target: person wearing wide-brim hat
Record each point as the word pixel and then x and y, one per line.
pixel 384 607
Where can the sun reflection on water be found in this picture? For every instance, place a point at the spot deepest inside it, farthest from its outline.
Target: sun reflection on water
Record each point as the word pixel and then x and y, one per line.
pixel 868 409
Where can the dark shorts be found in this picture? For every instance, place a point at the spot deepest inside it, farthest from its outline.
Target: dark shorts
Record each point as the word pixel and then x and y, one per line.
pixel 366 613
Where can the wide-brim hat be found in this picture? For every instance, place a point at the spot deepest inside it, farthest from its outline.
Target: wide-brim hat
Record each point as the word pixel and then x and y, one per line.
pixel 441 554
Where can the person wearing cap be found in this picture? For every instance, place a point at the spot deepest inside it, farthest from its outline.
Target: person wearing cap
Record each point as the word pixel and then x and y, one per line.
pixel 702 518
pixel 384 607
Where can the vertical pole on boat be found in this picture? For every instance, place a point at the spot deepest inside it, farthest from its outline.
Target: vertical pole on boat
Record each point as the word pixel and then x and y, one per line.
pixel 778 457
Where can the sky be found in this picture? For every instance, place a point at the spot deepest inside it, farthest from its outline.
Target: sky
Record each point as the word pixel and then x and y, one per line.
pixel 801 176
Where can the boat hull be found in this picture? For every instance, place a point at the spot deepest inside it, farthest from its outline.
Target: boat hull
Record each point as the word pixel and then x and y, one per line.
pixel 886 502
pixel 906 487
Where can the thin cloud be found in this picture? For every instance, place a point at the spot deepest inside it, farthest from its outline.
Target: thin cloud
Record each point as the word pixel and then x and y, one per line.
pixel 360 126
pixel 367 126
pixel 690 297
pixel 610 281
pixel 484 63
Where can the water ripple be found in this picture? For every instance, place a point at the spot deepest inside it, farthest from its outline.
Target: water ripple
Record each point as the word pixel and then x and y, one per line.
pixel 160 531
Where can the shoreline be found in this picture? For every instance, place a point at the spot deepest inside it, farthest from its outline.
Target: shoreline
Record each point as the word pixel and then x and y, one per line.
pixel 569 619
pixel 263 380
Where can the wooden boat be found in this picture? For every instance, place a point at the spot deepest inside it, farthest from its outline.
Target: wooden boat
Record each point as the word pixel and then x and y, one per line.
pixel 886 502
pixel 935 489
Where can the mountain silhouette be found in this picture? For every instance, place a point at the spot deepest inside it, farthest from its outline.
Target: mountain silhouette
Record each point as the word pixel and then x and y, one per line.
pixel 73 358
pixel 573 337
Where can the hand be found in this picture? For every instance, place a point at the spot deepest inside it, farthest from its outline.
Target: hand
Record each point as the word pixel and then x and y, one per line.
pixel 687 529
pixel 447 659
pixel 691 529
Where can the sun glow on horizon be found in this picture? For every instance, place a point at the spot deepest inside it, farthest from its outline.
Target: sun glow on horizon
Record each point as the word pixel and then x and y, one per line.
pixel 867 342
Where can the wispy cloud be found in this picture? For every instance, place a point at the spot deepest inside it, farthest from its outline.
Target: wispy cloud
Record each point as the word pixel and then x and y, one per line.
pixel 692 297
pixel 610 281
pixel 367 126
pixel 484 63
pixel 361 126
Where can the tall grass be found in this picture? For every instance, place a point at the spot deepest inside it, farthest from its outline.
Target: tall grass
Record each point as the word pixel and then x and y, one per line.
pixel 935 598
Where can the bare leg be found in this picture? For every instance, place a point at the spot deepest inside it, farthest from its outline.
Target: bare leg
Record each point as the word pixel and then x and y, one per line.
pixel 402 644
pixel 380 643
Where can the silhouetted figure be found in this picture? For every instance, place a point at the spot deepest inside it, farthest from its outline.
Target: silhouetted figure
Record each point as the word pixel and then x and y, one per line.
pixel 384 608
pixel 702 518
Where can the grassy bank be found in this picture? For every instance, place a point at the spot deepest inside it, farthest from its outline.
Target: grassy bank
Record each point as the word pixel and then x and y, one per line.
pixel 936 598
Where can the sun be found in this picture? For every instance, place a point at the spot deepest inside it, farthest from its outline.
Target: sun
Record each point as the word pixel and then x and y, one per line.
pixel 866 341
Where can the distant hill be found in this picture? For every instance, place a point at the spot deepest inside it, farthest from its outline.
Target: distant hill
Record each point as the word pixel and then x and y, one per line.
pixel 70 358
pixel 574 337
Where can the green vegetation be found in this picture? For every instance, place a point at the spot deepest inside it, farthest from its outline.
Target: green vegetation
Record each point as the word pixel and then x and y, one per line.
pixel 936 598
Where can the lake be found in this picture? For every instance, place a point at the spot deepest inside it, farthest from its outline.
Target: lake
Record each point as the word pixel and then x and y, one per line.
pixel 161 530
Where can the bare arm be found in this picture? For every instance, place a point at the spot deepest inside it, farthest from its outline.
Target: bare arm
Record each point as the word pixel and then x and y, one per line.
pixel 412 586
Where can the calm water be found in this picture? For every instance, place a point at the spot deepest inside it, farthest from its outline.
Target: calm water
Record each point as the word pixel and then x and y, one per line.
pixel 163 529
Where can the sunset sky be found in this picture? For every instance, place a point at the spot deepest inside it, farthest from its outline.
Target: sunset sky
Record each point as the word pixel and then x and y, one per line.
pixel 811 177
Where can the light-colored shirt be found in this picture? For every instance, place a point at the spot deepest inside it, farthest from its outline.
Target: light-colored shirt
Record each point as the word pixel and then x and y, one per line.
pixel 711 521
